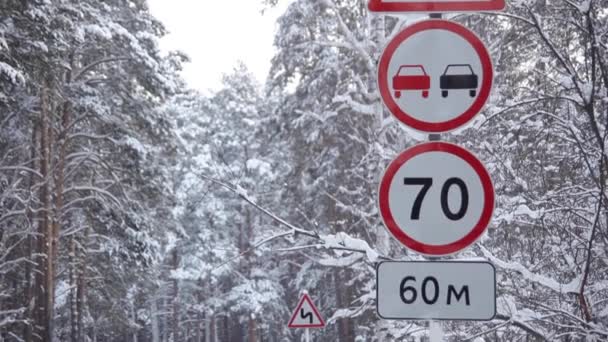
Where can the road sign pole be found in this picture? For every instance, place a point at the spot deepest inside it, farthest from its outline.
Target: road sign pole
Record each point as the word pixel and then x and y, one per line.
pixel 407 76
pixel 435 329
pixel 307 334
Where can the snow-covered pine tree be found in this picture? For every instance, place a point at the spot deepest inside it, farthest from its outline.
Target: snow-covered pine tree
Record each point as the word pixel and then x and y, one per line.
pixel 92 132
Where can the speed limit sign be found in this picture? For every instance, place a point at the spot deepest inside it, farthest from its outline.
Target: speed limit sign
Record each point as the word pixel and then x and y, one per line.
pixel 436 198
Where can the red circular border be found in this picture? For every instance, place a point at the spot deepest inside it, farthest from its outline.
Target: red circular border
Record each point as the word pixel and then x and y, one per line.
pixel 453 247
pixel 484 91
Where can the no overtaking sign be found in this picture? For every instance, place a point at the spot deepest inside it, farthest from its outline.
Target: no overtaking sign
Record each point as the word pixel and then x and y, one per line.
pixel 435 76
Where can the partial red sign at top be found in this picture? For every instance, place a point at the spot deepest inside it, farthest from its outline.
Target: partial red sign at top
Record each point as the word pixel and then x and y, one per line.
pixel 435 5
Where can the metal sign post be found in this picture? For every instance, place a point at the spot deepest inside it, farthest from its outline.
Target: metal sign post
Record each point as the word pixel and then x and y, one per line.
pixel 435 198
pixel 435 331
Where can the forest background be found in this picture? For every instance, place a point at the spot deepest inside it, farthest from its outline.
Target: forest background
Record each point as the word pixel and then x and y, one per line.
pixel 133 208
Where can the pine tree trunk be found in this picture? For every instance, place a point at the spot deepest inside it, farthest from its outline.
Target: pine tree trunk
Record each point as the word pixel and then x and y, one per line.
pixel 154 316
pixel 349 322
pixel 176 327
pixel 252 330
pixel 198 327
pixel 39 307
pixel 213 330
pixel 56 223
pixel 342 298
pixel 80 301
pixel 27 332
pixel 209 327
pixel 81 273
pixel 73 291
pixel 50 237
pixel 226 326
pixel 44 281
pixel 134 319
pixel 248 237
pixel 29 302
pixel 345 329
pixel 165 319
pixel 339 304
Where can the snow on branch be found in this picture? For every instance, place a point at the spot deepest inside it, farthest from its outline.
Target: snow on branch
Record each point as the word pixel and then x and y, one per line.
pixel 349 313
pixel 13 74
pixel 10 316
pixel 255 246
pixel 340 241
pixel 522 325
pixel 565 62
pixel 242 193
pixel 345 241
pixel 92 65
pixel 93 189
pixel 368 109
pixel 570 288
pixel 350 36
pixel 583 7
pixel 21 168
pixel 309 114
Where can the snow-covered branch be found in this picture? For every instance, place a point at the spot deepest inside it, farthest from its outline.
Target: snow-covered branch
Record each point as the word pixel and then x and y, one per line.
pixel 569 288
pixel 350 36
pixel 523 325
pixel 340 241
pixel 356 107
pixel 78 74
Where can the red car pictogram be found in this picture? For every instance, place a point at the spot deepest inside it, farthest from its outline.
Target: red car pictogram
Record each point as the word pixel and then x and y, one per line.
pixel 411 77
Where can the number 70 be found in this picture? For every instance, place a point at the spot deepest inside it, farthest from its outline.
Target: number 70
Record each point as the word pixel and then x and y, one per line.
pixel 426 183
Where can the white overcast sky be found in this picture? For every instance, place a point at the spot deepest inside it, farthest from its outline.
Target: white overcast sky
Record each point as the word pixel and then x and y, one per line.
pixel 216 34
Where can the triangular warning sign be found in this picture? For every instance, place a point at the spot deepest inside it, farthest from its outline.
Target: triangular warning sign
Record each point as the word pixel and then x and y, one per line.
pixel 306 315
pixel 435 5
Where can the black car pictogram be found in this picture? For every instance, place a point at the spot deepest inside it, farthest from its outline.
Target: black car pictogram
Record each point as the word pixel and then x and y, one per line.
pixel 458 76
